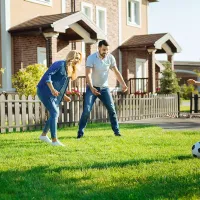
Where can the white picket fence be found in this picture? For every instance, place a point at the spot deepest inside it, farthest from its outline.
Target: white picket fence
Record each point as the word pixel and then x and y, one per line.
pixel 21 114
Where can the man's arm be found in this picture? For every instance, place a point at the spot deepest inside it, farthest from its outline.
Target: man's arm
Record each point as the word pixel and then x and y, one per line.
pixel 89 81
pixel 120 78
pixel 193 82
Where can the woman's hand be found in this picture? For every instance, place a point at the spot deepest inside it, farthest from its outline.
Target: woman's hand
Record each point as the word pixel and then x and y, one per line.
pixel 54 92
pixel 66 98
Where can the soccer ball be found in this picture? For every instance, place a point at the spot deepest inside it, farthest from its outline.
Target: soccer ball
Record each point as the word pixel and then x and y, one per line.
pixel 196 150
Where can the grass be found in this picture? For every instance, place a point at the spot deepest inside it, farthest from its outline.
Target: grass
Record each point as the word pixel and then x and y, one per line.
pixel 146 163
pixel 185 108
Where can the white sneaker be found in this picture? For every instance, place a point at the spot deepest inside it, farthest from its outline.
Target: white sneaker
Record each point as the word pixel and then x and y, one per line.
pixel 57 143
pixel 45 139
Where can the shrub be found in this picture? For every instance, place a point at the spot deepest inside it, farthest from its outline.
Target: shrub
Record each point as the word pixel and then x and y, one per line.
pixel 169 81
pixel 186 91
pixel 26 79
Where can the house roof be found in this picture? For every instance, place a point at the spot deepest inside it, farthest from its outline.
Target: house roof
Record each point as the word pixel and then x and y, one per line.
pixel 160 41
pixel 187 63
pixel 39 21
pixel 152 1
pixel 76 24
pixel 142 40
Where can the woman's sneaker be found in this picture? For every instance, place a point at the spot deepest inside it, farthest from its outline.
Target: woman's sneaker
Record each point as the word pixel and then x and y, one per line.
pixel 45 139
pixel 57 143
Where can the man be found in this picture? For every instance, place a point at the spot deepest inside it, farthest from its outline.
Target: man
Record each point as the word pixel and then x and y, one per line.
pixel 97 69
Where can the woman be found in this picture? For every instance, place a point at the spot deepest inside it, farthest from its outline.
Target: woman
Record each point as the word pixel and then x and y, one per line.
pixel 52 89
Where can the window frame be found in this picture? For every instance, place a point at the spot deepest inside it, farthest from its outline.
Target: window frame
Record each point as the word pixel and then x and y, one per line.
pixel 99 8
pixel 89 5
pixel 42 2
pixel 135 24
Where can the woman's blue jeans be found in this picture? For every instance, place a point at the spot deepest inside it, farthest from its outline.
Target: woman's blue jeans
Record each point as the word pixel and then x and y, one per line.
pixel 53 108
pixel 107 100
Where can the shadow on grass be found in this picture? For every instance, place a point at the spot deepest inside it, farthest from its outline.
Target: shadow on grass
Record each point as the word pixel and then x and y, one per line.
pixel 48 182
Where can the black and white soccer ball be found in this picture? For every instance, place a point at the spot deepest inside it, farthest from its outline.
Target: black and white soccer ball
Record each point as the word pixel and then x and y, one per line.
pixel 196 150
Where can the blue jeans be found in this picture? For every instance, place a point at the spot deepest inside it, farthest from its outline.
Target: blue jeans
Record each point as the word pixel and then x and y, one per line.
pixel 107 100
pixel 53 108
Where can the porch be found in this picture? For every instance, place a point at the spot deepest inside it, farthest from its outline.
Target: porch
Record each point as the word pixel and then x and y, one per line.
pixel 140 68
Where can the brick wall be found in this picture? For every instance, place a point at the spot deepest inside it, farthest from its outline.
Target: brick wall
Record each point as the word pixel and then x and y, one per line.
pixel 25 50
pixel 129 62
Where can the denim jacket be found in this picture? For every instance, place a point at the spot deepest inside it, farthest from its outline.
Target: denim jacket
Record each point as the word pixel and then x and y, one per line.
pixel 57 75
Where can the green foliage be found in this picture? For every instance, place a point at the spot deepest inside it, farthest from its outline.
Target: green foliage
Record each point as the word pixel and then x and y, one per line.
pixel 197 72
pixel 186 90
pixel 169 81
pixel 25 80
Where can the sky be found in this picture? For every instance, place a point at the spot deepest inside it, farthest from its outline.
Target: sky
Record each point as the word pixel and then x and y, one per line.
pixel 180 18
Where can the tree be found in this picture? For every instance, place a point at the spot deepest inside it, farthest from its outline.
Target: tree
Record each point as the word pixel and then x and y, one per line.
pixel 26 79
pixel 169 81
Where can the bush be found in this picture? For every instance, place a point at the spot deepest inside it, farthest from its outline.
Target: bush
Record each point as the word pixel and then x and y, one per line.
pixel 169 81
pixel 186 91
pixel 26 80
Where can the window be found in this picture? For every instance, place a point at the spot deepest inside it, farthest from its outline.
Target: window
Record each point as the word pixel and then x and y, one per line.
pixel 133 12
pixel 43 2
pixel 101 18
pixel 87 9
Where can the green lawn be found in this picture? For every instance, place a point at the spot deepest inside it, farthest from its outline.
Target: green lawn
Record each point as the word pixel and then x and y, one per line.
pixel 185 108
pixel 146 163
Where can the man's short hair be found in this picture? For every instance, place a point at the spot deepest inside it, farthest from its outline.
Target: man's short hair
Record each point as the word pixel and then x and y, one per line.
pixel 103 42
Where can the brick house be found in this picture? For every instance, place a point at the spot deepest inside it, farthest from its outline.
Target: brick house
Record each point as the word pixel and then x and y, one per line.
pixel 47 29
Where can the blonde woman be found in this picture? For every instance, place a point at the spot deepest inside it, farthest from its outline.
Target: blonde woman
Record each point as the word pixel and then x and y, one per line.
pixel 52 89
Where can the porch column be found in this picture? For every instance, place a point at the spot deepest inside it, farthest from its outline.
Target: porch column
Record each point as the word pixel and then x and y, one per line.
pixel 51 47
pixel 170 58
pixel 152 71
pixel 6 53
pixel 125 69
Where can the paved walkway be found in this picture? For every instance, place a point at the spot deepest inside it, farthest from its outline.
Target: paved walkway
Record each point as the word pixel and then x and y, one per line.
pixel 172 123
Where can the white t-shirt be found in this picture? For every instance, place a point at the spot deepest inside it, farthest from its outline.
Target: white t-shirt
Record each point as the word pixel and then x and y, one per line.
pixel 100 68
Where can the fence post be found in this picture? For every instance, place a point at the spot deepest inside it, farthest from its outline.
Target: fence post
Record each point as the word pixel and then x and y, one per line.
pixel 191 103
pixel 179 105
pixel 196 103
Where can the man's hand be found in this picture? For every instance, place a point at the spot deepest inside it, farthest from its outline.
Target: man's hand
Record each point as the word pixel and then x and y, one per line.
pixel 95 91
pixel 191 81
pixel 66 98
pixel 124 88
pixel 54 92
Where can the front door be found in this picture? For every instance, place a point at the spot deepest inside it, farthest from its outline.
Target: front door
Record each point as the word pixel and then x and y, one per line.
pixel 41 56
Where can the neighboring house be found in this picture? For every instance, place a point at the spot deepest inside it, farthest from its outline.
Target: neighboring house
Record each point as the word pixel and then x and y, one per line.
pixel 42 31
pixel 185 70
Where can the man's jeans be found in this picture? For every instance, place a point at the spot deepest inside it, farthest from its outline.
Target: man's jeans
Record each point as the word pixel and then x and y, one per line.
pixel 53 108
pixel 107 100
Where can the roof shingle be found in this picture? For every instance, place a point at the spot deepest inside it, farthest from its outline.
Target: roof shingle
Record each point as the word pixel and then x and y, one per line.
pixel 142 40
pixel 40 21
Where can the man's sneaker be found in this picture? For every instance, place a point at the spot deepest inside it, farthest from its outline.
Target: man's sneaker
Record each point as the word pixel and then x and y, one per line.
pixel 118 134
pixel 45 139
pixel 79 135
pixel 57 143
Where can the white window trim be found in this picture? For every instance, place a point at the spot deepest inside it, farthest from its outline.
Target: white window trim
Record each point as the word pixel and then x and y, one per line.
pixel 41 2
pixel 140 15
pixel 84 4
pixel 97 20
